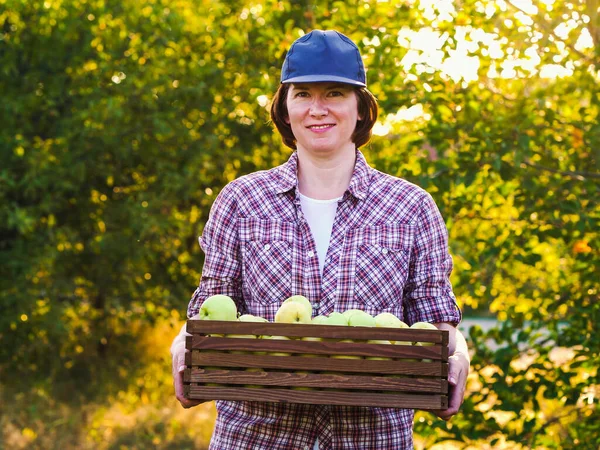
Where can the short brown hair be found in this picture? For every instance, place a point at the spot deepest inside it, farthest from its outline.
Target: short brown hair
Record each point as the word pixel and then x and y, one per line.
pixel 367 109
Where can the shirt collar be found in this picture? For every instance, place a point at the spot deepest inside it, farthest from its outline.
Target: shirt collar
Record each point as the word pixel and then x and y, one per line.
pixel 287 174
pixel 359 183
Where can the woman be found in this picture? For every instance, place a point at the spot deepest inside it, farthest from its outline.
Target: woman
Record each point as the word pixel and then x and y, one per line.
pixel 327 226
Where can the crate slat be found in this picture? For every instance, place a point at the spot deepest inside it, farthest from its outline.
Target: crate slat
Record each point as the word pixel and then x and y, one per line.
pixel 434 352
pixel 323 331
pixel 425 369
pixel 387 400
pixel 316 380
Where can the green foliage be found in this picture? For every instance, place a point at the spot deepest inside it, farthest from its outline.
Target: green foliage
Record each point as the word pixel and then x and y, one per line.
pixel 121 121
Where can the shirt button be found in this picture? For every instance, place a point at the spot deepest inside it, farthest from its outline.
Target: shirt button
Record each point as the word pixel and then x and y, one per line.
pixel 384 251
pixel 311 254
pixel 267 247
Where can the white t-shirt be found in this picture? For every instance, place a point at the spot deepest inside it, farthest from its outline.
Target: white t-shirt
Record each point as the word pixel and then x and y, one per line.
pixel 320 215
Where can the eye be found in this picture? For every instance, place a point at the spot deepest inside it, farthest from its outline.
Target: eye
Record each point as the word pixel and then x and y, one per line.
pixel 302 94
pixel 336 94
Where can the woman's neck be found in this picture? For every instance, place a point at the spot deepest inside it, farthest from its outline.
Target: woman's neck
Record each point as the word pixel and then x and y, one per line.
pixel 327 177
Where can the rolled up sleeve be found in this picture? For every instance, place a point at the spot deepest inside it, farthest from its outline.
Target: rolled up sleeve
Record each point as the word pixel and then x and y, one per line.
pixel 221 273
pixel 428 295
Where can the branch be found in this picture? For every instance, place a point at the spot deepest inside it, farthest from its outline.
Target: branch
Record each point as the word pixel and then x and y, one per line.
pixel 549 30
pixel 581 176
pixel 593 28
pixel 492 88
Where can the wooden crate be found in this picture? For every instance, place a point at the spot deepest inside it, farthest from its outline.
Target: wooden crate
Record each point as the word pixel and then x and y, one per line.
pixel 228 368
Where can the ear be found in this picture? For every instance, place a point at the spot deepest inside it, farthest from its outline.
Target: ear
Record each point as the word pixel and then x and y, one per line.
pixel 286 119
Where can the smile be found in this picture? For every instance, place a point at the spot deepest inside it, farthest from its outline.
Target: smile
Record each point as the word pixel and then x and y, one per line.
pixel 321 127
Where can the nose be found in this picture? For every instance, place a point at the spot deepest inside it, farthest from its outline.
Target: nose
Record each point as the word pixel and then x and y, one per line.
pixel 318 108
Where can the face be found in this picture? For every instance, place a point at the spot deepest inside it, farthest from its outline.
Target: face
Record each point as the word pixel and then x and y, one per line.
pixel 322 116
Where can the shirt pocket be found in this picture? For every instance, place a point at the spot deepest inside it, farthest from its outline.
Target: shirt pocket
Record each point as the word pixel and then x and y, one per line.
pixel 382 266
pixel 266 247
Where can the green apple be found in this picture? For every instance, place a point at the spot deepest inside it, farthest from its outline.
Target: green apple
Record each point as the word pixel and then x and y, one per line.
pixel 361 319
pixel 299 298
pixel 319 320
pixel 218 307
pixel 388 320
pixel 350 312
pixel 379 341
pixel 302 300
pixel 293 312
pixel 200 317
pixel 423 326
pixel 249 318
pixel 336 318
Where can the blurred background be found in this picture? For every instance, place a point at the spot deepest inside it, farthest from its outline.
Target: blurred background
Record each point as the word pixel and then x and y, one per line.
pixel 121 120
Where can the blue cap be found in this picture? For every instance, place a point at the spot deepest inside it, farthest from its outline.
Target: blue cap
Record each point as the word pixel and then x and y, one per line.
pixel 323 56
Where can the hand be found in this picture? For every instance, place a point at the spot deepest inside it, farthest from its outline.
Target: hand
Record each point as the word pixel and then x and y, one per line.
pixel 179 366
pixel 458 370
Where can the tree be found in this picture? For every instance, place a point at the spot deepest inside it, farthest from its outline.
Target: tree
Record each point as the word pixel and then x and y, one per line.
pixel 121 121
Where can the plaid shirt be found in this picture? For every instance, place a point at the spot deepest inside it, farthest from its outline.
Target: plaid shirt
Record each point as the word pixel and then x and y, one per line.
pixel 388 252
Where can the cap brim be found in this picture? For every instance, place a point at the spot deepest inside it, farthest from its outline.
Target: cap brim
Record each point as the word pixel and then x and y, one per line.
pixel 322 78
